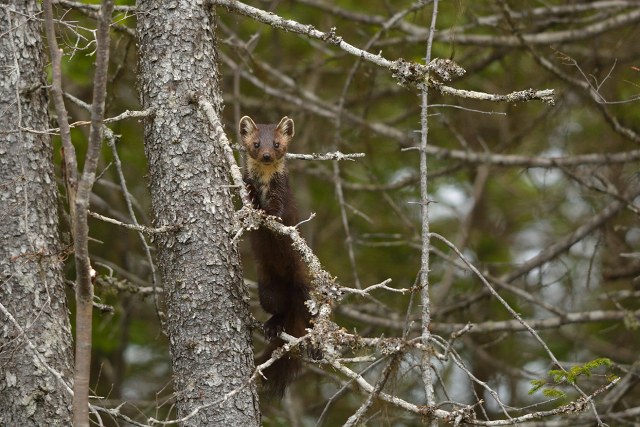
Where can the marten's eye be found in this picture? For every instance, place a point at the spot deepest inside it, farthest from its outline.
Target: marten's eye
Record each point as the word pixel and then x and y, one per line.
pixel 276 144
pixel 256 145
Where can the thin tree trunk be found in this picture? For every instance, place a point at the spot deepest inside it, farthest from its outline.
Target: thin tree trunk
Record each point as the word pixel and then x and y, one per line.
pixel 207 311
pixel 35 335
pixel 84 285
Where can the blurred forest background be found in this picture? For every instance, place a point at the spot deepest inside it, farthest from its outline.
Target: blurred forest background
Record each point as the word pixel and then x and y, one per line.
pixel 543 199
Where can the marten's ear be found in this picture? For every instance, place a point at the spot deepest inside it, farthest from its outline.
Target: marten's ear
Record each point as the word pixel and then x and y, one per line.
pixel 285 127
pixel 246 127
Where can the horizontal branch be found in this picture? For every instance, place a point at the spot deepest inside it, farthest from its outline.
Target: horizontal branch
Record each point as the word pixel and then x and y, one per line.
pixel 367 291
pixel 496 326
pixel 92 7
pixel 548 323
pixel 141 228
pixel 122 116
pixel 537 161
pixel 127 114
pixel 124 285
pixel 337 155
pixel 504 160
pixel 546 95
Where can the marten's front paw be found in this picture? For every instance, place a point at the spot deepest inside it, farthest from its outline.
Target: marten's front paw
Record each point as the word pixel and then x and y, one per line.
pixel 273 327
pixel 314 353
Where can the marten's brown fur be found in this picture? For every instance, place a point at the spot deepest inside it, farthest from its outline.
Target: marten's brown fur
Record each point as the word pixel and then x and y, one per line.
pixel 282 276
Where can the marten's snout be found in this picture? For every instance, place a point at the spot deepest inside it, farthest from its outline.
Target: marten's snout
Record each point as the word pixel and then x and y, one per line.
pixel 266 157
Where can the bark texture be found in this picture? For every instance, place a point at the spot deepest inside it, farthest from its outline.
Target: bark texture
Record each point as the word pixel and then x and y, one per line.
pixel 207 310
pixel 35 335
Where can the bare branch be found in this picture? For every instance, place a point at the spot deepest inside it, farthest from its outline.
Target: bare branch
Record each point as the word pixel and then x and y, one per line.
pixel 538 324
pixel 69 151
pixel 337 156
pixel 136 227
pixel 423 275
pixel 366 291
pixel 407 73
pixel 84 283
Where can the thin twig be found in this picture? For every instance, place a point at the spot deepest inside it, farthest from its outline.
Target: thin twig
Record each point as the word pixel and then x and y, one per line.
pixel 84 284
pixel 136 227
pixel 423 281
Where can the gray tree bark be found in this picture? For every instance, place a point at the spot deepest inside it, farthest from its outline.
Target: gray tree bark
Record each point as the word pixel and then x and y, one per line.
pixel 35 335
pixel 207 310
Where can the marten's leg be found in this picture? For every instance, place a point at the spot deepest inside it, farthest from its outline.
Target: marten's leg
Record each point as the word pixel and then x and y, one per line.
pixel 274 326
pixel 275 298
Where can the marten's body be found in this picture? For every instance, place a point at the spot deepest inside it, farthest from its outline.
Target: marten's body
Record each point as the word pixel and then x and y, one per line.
pixel 282 276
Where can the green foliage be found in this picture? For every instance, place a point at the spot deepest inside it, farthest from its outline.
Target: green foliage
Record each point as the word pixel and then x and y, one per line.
pixel 561 377
pixel 537 385
pixel 553 393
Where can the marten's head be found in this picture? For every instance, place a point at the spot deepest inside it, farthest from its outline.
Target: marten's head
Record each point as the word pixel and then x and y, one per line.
pixel 266 144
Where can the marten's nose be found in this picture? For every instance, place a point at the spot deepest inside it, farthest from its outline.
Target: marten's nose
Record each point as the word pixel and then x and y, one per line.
pixel 266 157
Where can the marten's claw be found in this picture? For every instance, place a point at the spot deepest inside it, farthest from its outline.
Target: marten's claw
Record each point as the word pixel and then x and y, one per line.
pixel 315 353
pixel 273 327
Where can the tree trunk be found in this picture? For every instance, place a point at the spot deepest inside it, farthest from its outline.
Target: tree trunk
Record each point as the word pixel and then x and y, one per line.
pixel 35 335
pixel 206 301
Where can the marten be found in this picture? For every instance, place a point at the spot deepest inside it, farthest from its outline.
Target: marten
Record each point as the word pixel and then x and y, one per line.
pixel 282 276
